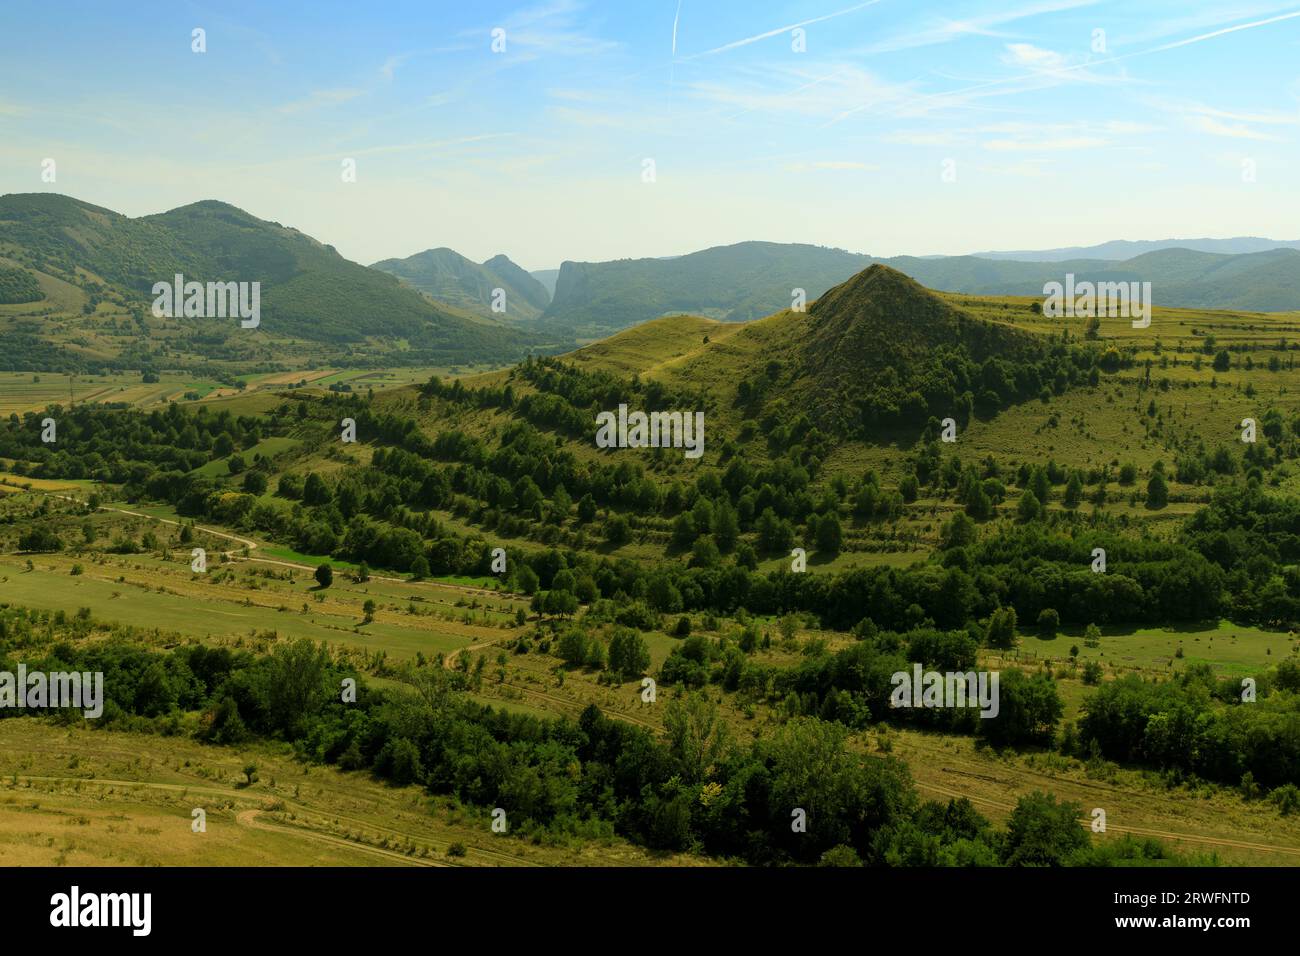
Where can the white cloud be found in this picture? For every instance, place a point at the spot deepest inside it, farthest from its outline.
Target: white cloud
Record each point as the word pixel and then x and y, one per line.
pixel 1082 70
pixel 819 96
pixel 905 138
pixel 551 28
pixel 1032 57
pixel 1040 145
pixel 390 66
pixel 1026 169
pixel 577 96
pixel 829 164
pixel 1129 127
pixel 318 99
pixel 638 121
pixel 1231 124
pixel 1207 124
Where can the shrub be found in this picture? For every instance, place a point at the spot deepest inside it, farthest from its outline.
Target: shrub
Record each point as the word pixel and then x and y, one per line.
pixel 1049 622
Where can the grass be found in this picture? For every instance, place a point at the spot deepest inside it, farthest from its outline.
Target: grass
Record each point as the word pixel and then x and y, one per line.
pixel 1200 819
pixel 243 599
pixel 1230 649
pixel 34 391
pixel 81 797
pixel 267 448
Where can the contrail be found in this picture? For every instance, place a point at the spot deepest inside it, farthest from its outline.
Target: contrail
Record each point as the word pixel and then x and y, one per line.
pixel 779 30
pixel 1083 66
pixel 1219 33
pixel 676 16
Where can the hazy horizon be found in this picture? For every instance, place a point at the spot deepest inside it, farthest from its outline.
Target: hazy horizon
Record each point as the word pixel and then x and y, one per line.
pixel 544 268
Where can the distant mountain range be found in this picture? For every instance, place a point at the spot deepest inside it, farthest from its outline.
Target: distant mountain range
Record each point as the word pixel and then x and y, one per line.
pixel 752 279
pixel 449 277
pixel 1128 249
pixel 76 281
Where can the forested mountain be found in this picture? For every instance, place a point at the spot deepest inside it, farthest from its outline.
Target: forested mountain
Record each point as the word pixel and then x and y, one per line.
pixel 734 283
pixel 308 291
pixel 449 277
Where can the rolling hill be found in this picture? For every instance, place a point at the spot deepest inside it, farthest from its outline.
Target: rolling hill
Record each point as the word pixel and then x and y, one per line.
pixel 874 352
pixel 447 276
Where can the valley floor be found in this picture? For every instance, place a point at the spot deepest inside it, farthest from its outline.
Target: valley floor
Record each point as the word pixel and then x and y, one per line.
pixel 82 797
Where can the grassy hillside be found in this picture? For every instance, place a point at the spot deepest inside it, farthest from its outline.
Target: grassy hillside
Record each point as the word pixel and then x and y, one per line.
pixel 873 355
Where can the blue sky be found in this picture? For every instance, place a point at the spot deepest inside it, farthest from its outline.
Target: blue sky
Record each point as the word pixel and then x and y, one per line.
pixel 1057 134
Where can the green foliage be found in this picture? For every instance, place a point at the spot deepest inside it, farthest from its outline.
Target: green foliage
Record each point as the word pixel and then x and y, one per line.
pixel 1198 724
pixel 1001 631
pixel 18 286
pixel 1286 798
pixel 1049 622
pixel 629 655
pixel 1043 832
pixel 1029 709
pixel 39 539
pixel 1157 491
